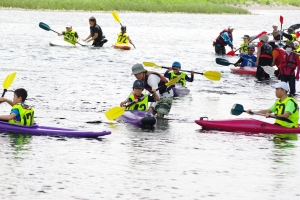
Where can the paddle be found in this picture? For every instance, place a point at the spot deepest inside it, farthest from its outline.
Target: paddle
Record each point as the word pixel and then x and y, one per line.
pixel 238 109
pixel 117 18
pixel 281 22
pixel 231 53
pixel 117 111
pixel 47 28
pixel 8 81
pixel 268 69
pixel 211 75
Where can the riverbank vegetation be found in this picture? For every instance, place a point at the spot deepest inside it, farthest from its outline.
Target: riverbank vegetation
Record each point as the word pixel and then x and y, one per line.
pixel 188 6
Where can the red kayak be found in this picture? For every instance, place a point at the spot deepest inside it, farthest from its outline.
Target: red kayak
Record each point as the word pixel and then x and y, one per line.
pixel 244 125
pixel 244 70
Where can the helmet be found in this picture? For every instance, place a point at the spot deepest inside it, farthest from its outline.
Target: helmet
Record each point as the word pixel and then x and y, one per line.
pixel 123 28
pixel 290 30
pixel 264 38
pixel 251 47
pixel 138 84
pixel 176 64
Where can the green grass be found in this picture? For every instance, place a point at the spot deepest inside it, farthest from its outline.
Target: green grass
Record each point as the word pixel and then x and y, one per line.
pixel 188 6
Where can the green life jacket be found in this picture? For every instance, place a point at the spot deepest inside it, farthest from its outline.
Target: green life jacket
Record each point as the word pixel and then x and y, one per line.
pixel 70 36
pixel 182 81
pixel 141 105
pixel 280 109
pixel 26 115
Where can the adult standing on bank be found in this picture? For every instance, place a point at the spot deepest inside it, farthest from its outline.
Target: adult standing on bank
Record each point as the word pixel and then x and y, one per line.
pixel 96 33
pixel 154 80
pixel 225 38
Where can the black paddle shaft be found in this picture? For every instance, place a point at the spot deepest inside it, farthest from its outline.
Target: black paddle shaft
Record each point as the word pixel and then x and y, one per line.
pixel 183 70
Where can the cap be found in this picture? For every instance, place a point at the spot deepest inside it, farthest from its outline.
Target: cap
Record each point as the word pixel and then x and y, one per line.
pixel 137 68
pixel 264 38
pixel 68 25
pixel 273 45
pixel 275 25
pixel 296 43
pixel 176 64
pixel 282 85
pixel 138 84
pixel 291 44
pixel 230 27
pixel 246 36
pixel 251 47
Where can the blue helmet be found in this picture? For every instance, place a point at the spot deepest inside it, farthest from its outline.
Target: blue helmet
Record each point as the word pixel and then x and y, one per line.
pixel 176 64
pixel 138 84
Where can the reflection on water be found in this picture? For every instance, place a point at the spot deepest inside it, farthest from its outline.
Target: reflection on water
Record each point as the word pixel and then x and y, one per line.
pixel 19 141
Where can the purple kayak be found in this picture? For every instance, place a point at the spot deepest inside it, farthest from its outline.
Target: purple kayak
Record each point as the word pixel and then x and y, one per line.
pixel 180 90
pixel 138 118
pixel 51 131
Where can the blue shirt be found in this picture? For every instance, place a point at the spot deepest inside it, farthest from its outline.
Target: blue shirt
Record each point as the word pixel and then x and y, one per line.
pixel 16 111
pixel 226 39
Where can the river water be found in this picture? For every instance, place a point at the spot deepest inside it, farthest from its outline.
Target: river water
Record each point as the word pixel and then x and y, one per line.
pixel 176 160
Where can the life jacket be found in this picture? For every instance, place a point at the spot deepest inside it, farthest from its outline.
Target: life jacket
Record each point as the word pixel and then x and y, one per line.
pixel 278 59
pixel 276 35
pixel 142 104
pixel 248 61
pixel 266 49
pixel 26 115
pixel 70 36
pixel 161 83
pixel 293 38
pixel 182 81
pixel 122 38
pixel 280 109
pixel 244 47
pixel 220 40
pixel 288 64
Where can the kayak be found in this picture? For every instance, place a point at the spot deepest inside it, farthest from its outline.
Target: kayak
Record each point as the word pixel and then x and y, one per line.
pixel 244 70
pixel 122 46
pixel 244 125
pixel 51 131
pixel 138 118
pixel 180 90
pixel 61 43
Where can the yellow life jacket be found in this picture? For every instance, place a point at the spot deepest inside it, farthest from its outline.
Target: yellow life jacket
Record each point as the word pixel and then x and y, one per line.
pixel 141 105
pixel 70 36
pixel 26 115
pixel 293 38
pixel 244 46
pixel 182 81
pixel 280 109
pixel 122 38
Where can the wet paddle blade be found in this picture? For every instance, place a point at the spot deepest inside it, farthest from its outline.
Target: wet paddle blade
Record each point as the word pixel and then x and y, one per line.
pixel 268 69
pixel 223 62
pixel 173 81
pixel 212 75
pixel 151 64
pixel 8 82
pixel 281 19
pixel 230 53
pixel 115 112
pixel 116 17
pixel 237 109
pixel 44 26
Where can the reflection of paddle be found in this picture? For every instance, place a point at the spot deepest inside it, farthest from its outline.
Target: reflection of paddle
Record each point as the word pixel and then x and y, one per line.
pixel 7 82
pixel 47 28
pixel 117 111
pixel 231 53
pixel 117 18
pixel 221 61
pixel 211 75
pixel 238 109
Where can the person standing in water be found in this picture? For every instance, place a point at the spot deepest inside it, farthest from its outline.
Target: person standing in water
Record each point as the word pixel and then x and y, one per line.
pixel 96 33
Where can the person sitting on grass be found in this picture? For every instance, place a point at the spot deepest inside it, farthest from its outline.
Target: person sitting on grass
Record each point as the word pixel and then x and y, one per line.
pixel 176 72
pixel 21 113
pixel 138 100
pixel 247 60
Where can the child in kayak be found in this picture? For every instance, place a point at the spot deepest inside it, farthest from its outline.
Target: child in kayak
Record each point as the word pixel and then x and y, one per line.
pixel 176 67
pixel 123 37
pixel 139 101
pixel 21 113
pixel 71 36
pixel 247 59
pixel 245 44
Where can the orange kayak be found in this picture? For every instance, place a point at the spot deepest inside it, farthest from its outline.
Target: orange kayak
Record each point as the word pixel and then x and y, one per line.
pixel 122 46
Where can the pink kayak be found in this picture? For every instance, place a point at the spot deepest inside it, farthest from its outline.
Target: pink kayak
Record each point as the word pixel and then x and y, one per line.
pixel 244 70
pixel 244 125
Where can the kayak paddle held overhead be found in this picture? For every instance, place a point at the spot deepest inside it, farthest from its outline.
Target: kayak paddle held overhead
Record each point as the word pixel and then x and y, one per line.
pixel 8 81
pixel 118 111
pixel 231 53
pixel 211 75
pixel 47 28
pixel 238 109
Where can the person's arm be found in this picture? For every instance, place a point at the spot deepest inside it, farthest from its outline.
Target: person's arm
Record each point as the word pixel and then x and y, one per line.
pixel 167 74
pixel 2 99
pixel 227 40
pixel 60 34
pixel 187 78
pixel 126 100
pixel 130 41
pixel 289 108
pixel 288 36
pixel 88 38
pixel 8 117
pixel 153 81
pixel 156 97
pixel 76 35
pixel 93 38
pixel 258 53
pixel 238 63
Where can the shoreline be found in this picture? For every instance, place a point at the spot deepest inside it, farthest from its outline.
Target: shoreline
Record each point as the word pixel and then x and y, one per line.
pixel 255 6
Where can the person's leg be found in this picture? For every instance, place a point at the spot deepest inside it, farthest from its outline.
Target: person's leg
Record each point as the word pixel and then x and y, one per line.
pixel 223 50
pixel 292 84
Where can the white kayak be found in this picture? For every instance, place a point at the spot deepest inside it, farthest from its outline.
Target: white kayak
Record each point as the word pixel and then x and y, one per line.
pixel 62 43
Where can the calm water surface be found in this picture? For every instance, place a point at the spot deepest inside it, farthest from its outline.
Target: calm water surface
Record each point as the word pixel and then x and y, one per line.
pixel 176 160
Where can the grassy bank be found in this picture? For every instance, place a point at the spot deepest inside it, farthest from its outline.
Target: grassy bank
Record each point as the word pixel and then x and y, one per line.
pixel 188 6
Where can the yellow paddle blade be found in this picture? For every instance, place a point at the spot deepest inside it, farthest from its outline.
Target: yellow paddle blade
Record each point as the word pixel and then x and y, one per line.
pixel 173 81
pixel 116 17
pixel 151 64
pixel 115 112
pixel 212 75
pixel 6 81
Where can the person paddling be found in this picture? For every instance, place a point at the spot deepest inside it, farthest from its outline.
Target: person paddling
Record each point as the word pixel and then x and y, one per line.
pixel 71 35
pixel 96 34
pixel 276 33
pixel 225 38
pixel 176 66
pixel 245 44
pixel 284 106
pixel 123 37
pixel 248 59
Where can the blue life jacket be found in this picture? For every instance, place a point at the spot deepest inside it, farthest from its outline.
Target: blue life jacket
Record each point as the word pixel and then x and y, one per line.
pixel 248 61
